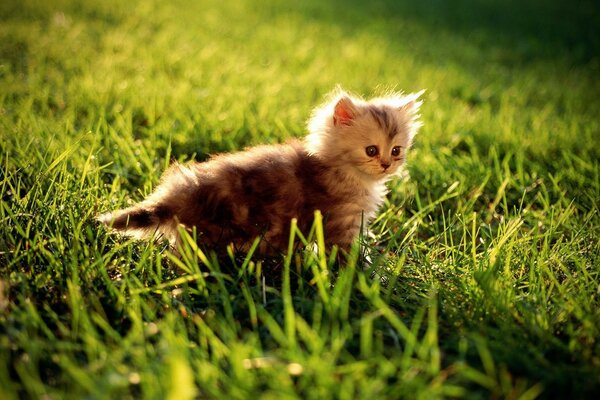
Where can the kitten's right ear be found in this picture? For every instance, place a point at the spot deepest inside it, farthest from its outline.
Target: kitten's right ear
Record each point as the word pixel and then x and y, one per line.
pixel 344 111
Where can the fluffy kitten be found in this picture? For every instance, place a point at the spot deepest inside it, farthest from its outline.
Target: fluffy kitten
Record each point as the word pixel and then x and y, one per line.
pixel 340 168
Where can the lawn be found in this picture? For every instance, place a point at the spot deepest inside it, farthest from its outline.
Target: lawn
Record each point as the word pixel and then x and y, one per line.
pixel 484 278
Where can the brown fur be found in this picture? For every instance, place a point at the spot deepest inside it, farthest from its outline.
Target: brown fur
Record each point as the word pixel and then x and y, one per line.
pixel 234 198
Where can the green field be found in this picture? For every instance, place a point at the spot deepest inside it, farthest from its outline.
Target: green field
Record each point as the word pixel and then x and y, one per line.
pixel 485 272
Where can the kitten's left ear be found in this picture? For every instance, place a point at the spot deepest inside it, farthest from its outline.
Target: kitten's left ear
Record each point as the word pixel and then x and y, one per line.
pixel 344 111
pixel 412 103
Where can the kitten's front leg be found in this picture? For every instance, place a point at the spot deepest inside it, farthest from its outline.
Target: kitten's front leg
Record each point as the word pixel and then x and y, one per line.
pixel 342 234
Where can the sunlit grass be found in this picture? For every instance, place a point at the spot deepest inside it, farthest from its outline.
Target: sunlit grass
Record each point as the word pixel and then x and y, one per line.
pixel 484 261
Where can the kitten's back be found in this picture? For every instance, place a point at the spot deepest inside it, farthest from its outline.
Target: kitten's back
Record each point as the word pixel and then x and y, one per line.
pixel 232 198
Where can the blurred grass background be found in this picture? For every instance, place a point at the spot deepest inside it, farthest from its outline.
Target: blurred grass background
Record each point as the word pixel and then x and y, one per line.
pixel 486 280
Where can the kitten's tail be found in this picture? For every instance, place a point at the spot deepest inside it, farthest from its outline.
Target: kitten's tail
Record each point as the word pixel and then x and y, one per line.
pixel 141 221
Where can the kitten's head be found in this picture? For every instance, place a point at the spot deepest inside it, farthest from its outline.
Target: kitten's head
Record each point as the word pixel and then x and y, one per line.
pixel 371 137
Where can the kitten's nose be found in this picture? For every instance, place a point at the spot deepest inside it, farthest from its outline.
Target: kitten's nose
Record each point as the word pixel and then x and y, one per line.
pixel 385 165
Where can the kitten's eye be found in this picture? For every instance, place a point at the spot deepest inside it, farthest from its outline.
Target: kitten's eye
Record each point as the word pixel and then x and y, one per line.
pixel 371 151
pixel 396 151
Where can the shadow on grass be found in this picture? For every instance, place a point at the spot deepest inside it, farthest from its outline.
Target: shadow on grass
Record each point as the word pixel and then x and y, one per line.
pixel 519 31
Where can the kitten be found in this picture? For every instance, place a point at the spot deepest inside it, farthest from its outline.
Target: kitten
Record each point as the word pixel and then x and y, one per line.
pixel 340 168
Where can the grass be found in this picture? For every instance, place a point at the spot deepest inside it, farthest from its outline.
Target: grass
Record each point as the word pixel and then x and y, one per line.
pixel 484 281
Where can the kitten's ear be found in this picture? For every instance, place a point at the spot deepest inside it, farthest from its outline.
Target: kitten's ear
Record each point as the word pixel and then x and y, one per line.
pixel 344 111
pixel 412 103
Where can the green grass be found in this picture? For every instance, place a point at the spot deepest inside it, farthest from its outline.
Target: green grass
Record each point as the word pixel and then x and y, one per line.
pixel 484 281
